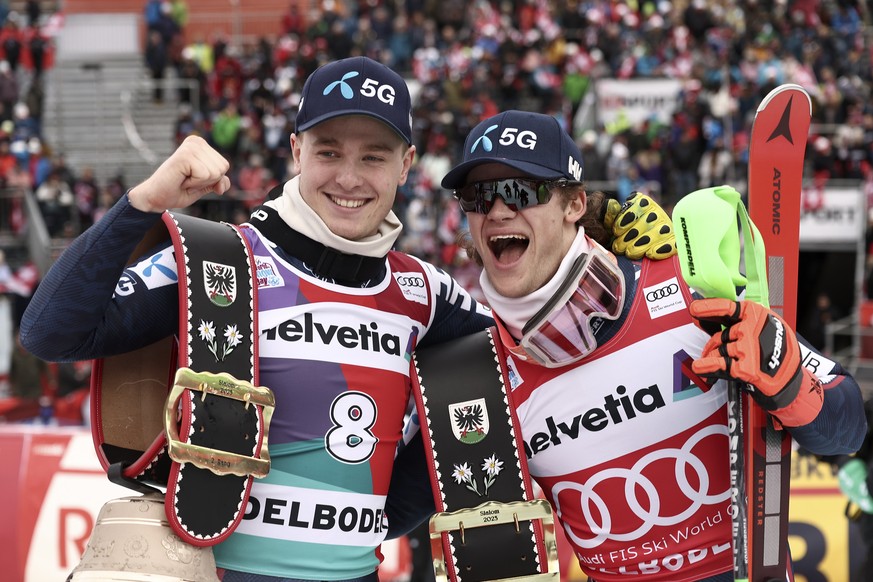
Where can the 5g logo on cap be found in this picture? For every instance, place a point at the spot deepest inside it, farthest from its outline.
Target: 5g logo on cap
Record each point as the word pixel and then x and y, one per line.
pixel 370 88
pixel 384 93
pixel 356 86
pixel 534 144
pixel 487 145
pixel 524 139
pixel 511 135
pixel 345 88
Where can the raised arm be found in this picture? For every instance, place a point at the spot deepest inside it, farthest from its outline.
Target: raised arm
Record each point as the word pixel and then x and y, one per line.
pixel 90 305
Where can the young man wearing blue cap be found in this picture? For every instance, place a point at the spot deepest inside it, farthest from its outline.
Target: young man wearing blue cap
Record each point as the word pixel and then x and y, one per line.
pixel 629 446
pixel 339 314
pixel 338 311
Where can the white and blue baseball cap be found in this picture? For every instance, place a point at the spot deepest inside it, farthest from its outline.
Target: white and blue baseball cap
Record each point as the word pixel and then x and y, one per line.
pixel 532 143
pixel 356 86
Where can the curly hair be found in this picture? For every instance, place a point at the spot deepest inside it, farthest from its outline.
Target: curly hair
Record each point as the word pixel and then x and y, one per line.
pixel 591 221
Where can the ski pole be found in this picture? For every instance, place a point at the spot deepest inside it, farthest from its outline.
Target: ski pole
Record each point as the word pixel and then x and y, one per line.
pixel 710 249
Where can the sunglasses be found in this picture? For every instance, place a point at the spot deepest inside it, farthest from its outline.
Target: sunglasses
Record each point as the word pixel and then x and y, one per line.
pixel 516 193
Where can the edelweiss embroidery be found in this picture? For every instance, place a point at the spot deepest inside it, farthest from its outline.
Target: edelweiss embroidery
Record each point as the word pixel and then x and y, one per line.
pixel 491 466
pixel 231 335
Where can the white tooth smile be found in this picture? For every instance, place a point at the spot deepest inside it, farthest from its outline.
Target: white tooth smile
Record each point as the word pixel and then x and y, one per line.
pixel 348 203
pixel 507 237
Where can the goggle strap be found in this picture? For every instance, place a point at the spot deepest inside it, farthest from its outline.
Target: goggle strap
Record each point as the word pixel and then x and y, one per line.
pixel 544 329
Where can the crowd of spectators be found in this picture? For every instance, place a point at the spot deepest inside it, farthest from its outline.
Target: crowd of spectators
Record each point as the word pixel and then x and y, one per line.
pixel 468 60
pixel 28 164
pixel 70 199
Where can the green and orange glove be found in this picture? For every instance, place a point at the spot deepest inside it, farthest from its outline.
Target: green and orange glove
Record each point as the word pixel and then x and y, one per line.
pixel 758 348
pixel 640 227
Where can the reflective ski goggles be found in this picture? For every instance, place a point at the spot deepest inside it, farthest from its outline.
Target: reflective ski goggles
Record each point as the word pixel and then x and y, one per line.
pixel 562 332
pixel 516 193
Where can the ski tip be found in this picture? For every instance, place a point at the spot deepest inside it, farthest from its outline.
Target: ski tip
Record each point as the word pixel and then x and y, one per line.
pixel 785 87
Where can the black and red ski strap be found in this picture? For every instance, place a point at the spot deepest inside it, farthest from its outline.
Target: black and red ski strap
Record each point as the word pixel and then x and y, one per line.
pixel 185 414
pixel 489 525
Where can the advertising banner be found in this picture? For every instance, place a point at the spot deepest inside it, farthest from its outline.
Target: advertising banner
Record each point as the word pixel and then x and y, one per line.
pixel 831 216
pixel 53 488
pixel 629 102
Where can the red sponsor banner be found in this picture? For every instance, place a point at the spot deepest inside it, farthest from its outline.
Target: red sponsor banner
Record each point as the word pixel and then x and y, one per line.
pixel 52 488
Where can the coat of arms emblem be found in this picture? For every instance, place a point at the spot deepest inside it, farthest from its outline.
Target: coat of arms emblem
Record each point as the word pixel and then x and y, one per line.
pixel 469 420
pixel 220 283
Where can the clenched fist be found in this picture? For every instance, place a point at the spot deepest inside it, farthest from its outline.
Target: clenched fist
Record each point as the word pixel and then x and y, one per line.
pixel 758 348
pixel 191 172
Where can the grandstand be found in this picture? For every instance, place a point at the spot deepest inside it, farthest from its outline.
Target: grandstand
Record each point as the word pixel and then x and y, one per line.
pixel 99 110
pixel 659 94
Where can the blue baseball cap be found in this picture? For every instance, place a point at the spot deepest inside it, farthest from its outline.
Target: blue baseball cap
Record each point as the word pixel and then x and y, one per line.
pixel 356 86
pixel 532 143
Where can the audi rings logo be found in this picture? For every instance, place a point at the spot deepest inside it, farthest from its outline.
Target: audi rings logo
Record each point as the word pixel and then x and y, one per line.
pixel 413 286
pixel 651 510
pixel 662 292
pixel 410 281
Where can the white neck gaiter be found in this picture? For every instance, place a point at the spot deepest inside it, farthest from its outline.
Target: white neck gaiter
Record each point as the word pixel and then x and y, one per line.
pixel 514 312
pixel 298 215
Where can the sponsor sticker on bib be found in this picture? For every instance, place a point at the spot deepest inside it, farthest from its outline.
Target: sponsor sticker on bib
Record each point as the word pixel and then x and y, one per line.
pixel 268 273
pixel 413 286
pixel 664 298
pixel 515 379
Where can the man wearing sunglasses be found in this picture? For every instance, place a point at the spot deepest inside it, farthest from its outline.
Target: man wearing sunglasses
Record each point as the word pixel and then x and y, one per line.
pixel 628 442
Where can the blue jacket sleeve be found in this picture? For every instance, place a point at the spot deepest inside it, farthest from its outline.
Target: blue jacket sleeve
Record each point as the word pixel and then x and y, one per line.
pixel 841 425
pixel 88 306
pixel 410 498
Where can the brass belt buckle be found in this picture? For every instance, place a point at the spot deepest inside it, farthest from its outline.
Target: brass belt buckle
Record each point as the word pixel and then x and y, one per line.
pixel 495 513
pixel 226 386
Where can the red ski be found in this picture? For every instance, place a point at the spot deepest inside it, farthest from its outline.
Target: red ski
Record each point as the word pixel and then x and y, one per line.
pixel 776 154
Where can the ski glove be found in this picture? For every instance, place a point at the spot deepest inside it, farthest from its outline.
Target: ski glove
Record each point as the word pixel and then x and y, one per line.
pixel 757 348
pixel 640 227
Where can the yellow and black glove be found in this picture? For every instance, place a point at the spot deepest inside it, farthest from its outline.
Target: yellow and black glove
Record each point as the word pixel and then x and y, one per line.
pixel 640 227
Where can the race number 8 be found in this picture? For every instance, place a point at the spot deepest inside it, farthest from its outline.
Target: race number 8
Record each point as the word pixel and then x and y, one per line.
pixel 350 440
